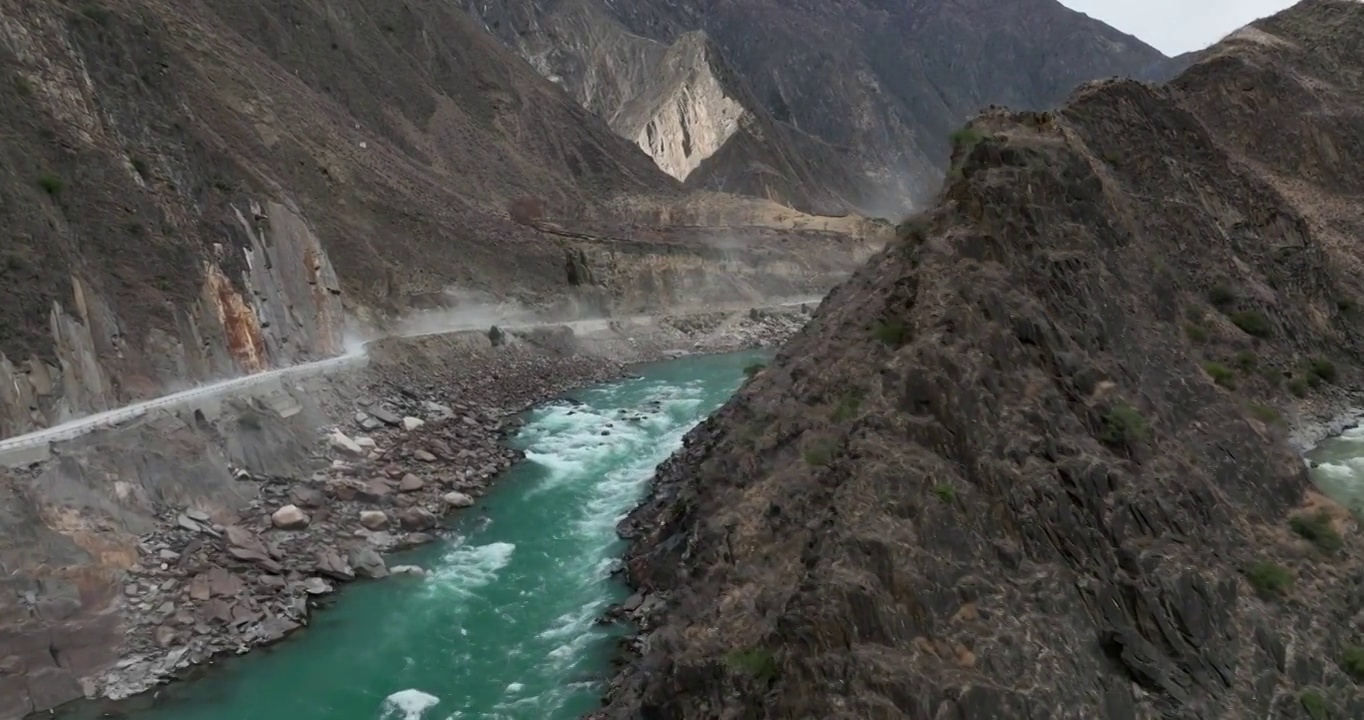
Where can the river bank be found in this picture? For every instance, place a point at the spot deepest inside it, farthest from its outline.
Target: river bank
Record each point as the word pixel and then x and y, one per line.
pixel 422 440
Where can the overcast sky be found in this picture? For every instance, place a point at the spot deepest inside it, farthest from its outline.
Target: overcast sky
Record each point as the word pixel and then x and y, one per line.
pixel 1177 26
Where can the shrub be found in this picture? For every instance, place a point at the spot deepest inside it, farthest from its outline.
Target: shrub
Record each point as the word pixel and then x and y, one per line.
pixel 890 332
pixel 1317 529
pixel 1253 323
pixel 22 86
pixel 1298 386
pixel 1269 579
pixel 141 167
pixel 847 408
pixel 1195 333
pixel 1352 661
pixel 95 11
pixel 1347 305
pixel 1123 426
pixel 1322 369
pixel 754 369
pixel 1220 374
pixel 51 184
pixel 1265 413
pixel 1314 705
pixel 1247 361
pixel 757 663
pixel 819 452
pixel 1221 295
pixel 966 138
pixel 945 493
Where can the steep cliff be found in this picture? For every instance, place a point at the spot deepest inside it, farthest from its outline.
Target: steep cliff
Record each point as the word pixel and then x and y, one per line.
pixel 865 90
pixel 682 103
pixel 1033 460
pixel 192 190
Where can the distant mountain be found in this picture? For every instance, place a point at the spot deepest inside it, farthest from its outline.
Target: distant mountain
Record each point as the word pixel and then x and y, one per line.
pixel 867 91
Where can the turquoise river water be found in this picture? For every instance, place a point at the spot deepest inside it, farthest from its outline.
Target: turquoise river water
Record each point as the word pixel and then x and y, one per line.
pixel 503 625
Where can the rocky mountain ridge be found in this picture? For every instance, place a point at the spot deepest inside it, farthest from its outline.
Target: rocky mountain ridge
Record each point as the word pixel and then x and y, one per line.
pixel 1034 459
pixel 848 103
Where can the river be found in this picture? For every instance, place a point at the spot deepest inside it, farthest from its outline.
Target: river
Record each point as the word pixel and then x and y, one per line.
pixel 1339 468
pixel 503 625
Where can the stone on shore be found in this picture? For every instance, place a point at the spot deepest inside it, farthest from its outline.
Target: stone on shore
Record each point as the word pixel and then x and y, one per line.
pixel 416 519
pixel 410 483
pixel 373 519
pixel 456 499
pixel 289 517
pixel 367 563
pixel 410 423
pixel 344 444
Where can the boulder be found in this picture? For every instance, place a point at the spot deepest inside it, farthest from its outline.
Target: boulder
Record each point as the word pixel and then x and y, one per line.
pixel 411 423
pixel 424 456
pixel 385 415
pixel 416 519
pixel 407 570
pixel 367 563
pixel 329 563
pixel 457 500
pixel 305 496
pixel 410 483
pixel 289 517
pixel 373 519
pixel 344 444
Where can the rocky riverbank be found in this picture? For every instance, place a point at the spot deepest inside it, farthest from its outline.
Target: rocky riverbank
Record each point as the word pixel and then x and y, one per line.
pixel 426 439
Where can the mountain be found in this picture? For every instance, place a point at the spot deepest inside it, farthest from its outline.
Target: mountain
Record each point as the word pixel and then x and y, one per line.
pixel 193 190
pixel 1039 457
pixel 873 86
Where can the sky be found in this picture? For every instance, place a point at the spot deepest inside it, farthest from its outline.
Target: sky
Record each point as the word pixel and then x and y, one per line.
pixel 1177 26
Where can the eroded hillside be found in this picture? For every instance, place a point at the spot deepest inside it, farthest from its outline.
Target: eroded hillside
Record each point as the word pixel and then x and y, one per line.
pixel 1034 459
pixel 845 102
pixel 193 190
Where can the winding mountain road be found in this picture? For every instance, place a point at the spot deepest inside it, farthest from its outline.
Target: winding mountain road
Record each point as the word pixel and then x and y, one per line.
pixel 32 447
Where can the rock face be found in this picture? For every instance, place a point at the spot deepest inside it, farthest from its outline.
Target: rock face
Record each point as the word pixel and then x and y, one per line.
pixel 826 104
pixel 194 191
pixel 1034 460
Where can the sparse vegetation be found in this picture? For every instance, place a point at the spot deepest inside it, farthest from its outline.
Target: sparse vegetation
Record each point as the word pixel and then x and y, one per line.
pixel 96 12
pixel 1318 530
pixel 966 138
pixel 1220 374
pixel 819 452
pixel 1220 295
pixel 1347 305
pixel 22 86
pixel 847 407
pixel 1352 661
pixel 1253 323
pixel 945 493
pixel 140 166
pixel 890 332
pixel 1195 333
pixel 1246 361
pixel 51 184
pixel 757 663
pixel 1298 386
pixel 1269 579
pixel 754 369
pixel 1314 705
pixel 1123 426
pixel 1322 370
pixel 222 184
pixel 1264 413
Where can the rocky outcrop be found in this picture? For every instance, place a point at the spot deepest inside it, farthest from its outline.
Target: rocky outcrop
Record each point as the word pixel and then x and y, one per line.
pixel 1034 459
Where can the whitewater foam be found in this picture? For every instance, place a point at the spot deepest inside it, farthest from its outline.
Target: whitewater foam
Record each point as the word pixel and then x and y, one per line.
pixel 408 704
